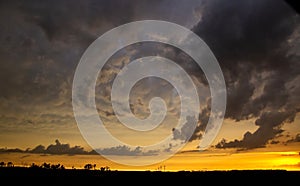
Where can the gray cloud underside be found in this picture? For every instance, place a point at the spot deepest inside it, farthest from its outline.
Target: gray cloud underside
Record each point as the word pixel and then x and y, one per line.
pixel 41 45
pixel 256 43
pixel 126 151
pixel 59 149
pixel 295 139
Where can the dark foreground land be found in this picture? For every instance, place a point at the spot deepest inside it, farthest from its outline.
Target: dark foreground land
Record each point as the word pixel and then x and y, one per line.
pixel 29 176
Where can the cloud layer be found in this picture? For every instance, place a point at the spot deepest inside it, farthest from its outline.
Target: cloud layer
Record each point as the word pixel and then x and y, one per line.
pixel 256 45
pixel 60 148
pixel 41 45
pixel 255 42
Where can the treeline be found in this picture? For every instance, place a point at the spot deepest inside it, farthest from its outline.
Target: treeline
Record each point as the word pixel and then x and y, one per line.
pixel 88 166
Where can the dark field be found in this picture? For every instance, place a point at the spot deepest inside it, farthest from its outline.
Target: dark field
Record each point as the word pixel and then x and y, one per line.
pixel 30 176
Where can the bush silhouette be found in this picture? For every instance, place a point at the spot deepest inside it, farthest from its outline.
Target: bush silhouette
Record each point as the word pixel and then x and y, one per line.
pixel 88 166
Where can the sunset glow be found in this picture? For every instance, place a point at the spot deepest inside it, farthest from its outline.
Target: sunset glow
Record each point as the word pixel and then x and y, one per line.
pixel 184 161
pixel 219 80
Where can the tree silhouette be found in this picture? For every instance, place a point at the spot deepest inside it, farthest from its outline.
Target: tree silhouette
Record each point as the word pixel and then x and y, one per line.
pixel 33 165
pixel 2 164
pixel 46 166
pixel 106 168
pixel 10 164
pixel 55 166
pixel 88 166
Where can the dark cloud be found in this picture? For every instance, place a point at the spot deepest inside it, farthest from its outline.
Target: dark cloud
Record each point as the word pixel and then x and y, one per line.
pixel 185 131
pixel 251 31
pixel 274 142
pixel 60 148
pixel 41 43
pixel 144 90
pixel 295 139
pixel 5 150
pixel 293 4
pixel 202 124
pixel 50 37
pixel 57 148
pixel 126 151
pixel 251 40
pixel 256 43
pixel 38 149
pixel 191 123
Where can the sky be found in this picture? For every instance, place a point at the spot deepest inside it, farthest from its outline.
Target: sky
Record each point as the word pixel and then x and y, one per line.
pixel 256 43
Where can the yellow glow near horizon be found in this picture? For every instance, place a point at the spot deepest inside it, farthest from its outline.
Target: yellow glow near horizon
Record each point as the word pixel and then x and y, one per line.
pixel 190 161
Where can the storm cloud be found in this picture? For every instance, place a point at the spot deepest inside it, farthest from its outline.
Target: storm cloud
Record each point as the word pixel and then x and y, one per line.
pixel 126 151
pixel 64 148
pixel 254 42
pixel 41 45
pixel 57 148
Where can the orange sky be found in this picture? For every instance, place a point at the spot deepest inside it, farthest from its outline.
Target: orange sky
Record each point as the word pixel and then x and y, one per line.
pixel 273 156
pixel 288 160
pixel 256 44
